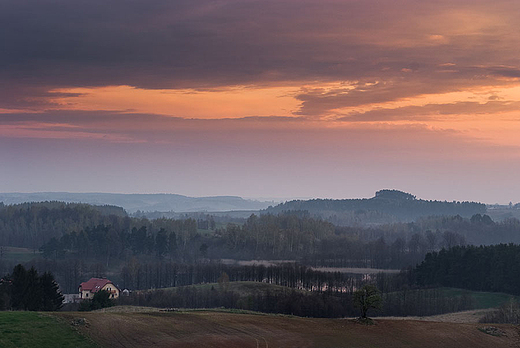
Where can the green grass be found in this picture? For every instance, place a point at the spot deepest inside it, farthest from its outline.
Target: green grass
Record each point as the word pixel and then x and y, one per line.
pixel 32 329
pixel 482 300
pixel 243 288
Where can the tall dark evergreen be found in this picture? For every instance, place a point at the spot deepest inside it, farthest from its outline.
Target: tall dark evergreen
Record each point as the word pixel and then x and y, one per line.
pixel 52 299
pixel 33 297
pixel 25 290
pixel 5 293
pixel 19 287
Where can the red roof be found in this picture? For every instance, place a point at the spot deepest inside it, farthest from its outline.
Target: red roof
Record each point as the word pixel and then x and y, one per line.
pixel 94 284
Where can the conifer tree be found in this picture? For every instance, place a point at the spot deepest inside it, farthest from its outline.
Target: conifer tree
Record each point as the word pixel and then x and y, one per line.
pixel 52 299
pixel 18 287
pixel 28 291
pixel 32 299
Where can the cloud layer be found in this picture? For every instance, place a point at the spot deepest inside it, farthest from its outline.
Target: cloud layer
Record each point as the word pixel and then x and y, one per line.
pixel 403 45
pixel 352 86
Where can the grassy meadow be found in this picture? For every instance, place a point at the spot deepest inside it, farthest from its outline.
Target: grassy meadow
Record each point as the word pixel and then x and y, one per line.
pixel 481 299
pixel 32 329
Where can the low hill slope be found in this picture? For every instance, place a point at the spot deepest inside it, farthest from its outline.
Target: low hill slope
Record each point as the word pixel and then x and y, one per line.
pixel 223 329
pixel 31 329
pixel 242 288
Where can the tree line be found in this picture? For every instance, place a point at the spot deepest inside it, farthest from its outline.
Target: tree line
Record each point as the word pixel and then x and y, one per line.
pixel 484 268
pixel 26 290
pixel 329 303
pixel 291 301
pixel 156 275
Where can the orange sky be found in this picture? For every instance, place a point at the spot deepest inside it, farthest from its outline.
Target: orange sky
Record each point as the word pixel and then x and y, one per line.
pixel 477 117
pixel 383 93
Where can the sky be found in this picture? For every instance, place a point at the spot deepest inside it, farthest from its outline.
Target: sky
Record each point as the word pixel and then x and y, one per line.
pixel 261 98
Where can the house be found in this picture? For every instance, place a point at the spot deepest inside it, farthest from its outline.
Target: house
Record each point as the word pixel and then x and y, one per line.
pixel 71 298
pixel 88 289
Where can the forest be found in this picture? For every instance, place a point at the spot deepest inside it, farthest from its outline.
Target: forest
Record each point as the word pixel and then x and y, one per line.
pixel 485 268
pixel 79 241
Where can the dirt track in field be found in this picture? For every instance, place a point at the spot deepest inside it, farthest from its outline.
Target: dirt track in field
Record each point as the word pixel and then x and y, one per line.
pixel 219 329
pixel 472 316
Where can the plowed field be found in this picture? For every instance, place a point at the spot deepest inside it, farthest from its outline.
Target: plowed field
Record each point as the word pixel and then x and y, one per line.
pixel 221 329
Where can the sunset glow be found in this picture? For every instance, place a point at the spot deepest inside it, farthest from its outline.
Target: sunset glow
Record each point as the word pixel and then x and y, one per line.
pixel 231 102
pixel 262 98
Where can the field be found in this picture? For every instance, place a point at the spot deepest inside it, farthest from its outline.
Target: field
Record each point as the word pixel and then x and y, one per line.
pixel 31 329
pixel 243 288
pixel 351 270
pixel 226 329
pixel 472 316
pixel 135 327
pixel 481 299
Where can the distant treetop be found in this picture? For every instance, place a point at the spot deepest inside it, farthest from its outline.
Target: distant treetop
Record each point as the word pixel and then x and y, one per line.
pixel 394 194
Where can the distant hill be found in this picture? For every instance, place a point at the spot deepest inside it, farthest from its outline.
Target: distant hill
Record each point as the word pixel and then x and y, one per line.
pixel 387 206
pixel 143 202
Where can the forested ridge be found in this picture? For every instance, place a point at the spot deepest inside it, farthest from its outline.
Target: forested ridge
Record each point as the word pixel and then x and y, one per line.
pixel 386 206
pixel 33 224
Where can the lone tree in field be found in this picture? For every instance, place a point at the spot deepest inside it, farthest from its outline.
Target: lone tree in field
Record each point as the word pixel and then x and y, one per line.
pixel 366 298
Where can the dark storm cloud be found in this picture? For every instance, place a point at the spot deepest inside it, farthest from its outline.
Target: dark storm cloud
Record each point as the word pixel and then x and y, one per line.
pixel 202 43
pixel 511 72
pixel 317 101
pixel 151 44
pixel 15 95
